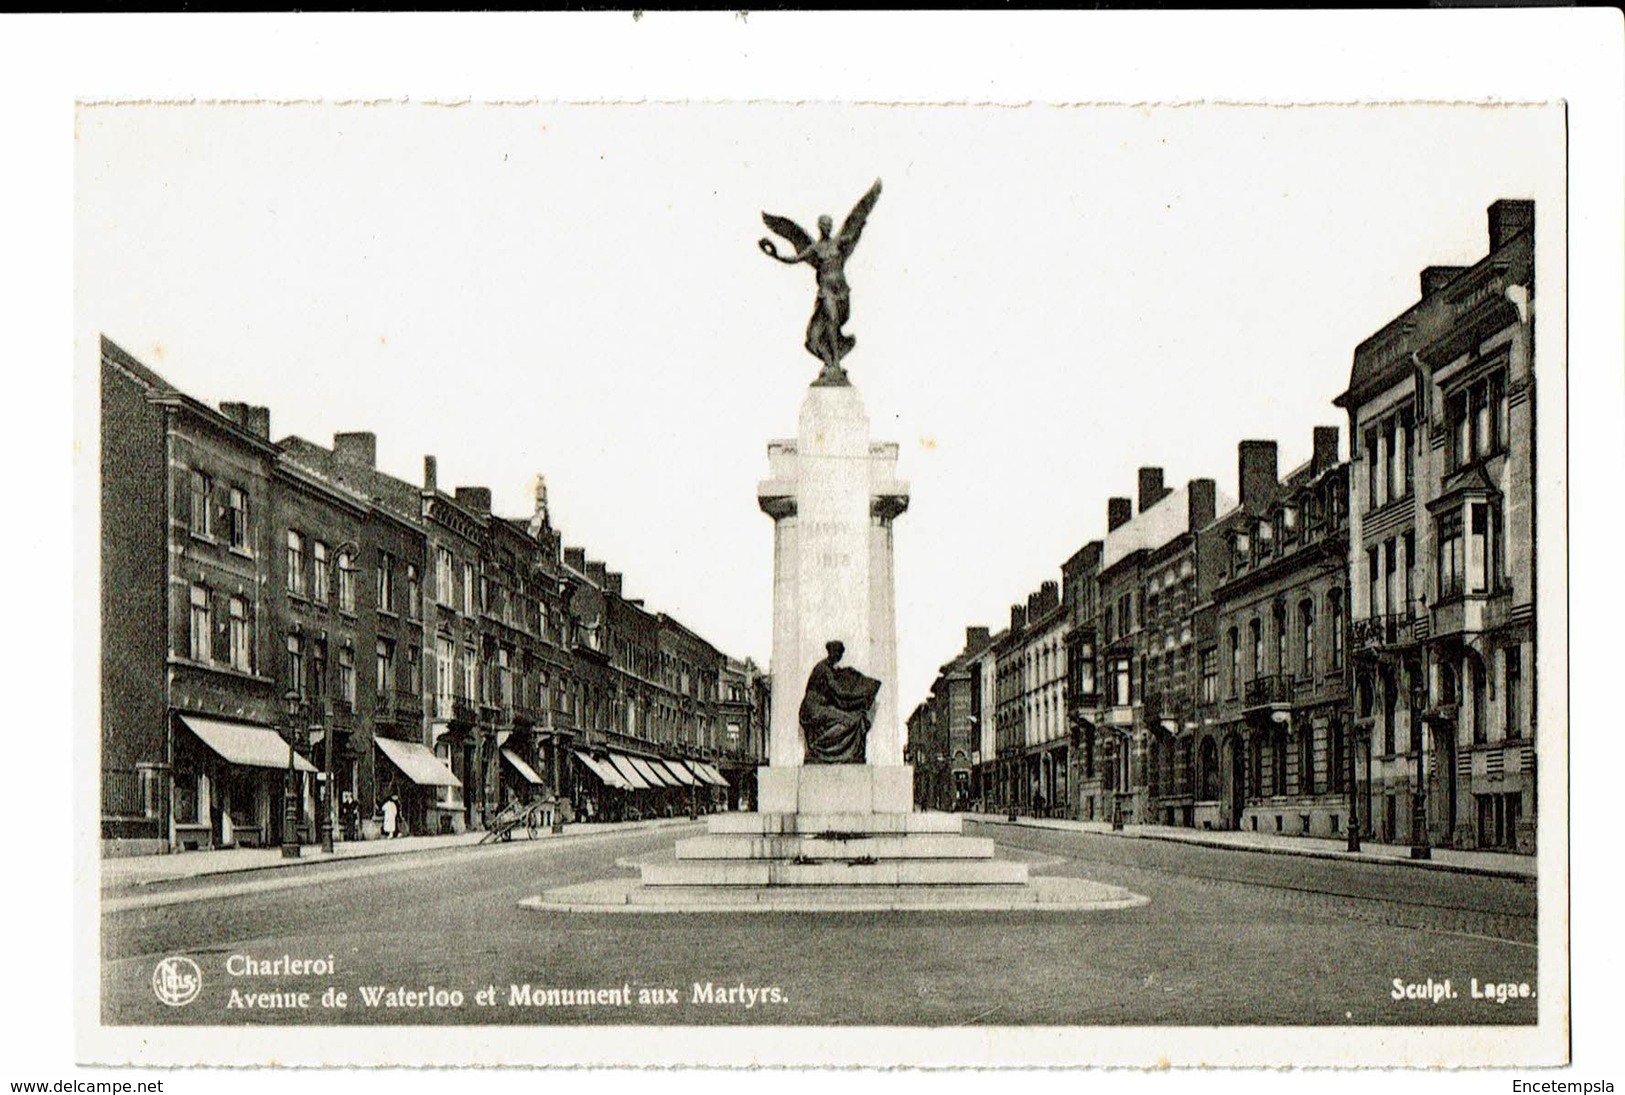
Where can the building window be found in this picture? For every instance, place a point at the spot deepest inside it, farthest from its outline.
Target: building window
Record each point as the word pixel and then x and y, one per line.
pixel 347 582
pixel 1235 661
pixel 1255 629
pixel 1480 548
pixel 200 631
pixel 1121 679
pixel 198 515
pixel 1390 576
pixel 414 670
pixel 386 582
pixel 443 578
pixel 468 589
pixel 1306 623
pixel 321 587
pixel 237 515
pixel 1409 541
pixel 1477 686
pixel 1451 570
pixel 1372 478
pixel 1210 676
pixel 414 593
pixel 318 668
pixel 347 675
pixel 1407 438
pixel 1280 639
pixel 1373 570
pixel 296 563
pixel 1512 691
pixel 1476 415
pixel 470 673
pixel 296 665
pixel 386 669
pixel 444 674
pixel 239 640
pixel 1337 779
pixel 1334 602
pixel 1306 761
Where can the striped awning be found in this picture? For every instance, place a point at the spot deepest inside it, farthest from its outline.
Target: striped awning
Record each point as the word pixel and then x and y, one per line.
pixel 525 771
pixel 417 763
pixel 710 774
pixel 629 772
pixel 647 771
pixel 604 770
pixel 680 770
pixel 241 744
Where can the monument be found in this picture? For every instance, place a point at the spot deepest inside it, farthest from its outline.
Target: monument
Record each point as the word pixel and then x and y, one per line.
pixel 834 826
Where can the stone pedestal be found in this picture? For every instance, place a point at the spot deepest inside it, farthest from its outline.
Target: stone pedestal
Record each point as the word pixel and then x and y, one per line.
pixel 832 494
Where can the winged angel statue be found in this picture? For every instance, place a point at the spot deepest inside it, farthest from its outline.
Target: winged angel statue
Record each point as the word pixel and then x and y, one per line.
pixel 827 256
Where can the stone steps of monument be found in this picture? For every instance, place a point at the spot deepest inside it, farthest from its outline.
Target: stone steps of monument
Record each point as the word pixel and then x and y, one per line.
pixel 993 896
pixel 901 872
pixel 866 824
pixel 910 846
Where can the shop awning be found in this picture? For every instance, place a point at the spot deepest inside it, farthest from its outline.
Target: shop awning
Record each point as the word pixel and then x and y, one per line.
pixel 680 770
pixel 417 763
pixel 249 746
pixel 525 770
pixel 634 779
pixel 650 776
pixel 604 771
pixel 710 774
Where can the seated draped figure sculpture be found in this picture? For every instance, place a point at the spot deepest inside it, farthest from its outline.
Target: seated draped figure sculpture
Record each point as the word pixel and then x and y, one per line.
pixel 836 710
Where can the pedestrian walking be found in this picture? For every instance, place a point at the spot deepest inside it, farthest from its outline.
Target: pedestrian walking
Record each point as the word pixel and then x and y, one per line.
pixel 392 814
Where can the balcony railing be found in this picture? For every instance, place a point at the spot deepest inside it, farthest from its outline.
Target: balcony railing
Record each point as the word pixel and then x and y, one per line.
pixel 1268 691
pixel 1391 629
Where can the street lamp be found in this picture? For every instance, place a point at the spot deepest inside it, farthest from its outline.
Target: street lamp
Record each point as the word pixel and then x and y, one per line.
pixel 1420 848
pixel 290 787
pixel 346 555
pixel 1351 736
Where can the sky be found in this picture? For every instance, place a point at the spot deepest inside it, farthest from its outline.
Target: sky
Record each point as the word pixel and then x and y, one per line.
pixel 1045 299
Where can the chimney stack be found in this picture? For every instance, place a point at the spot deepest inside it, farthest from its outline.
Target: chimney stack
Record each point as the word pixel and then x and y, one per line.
pixel 1435 278
pixel 1325 448
pixel 1200 502
pixel 1508 217
pixel 1119 512
pixel 1049 595
pixel 431 474
pixel 598 572
pixel 1257 476
pixel 1018 617
pixel 359 449
pixel 976 638
pixel 612 581
pixel 1151 489
pixel 576 559
pixel 254 420
pixel 477 499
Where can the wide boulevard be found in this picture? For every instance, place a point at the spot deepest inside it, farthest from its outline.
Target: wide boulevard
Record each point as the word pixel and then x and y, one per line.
pixel 1227 937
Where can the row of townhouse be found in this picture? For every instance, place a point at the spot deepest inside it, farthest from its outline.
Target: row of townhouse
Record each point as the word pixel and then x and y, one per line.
pixel 1351 643
pixel 284 620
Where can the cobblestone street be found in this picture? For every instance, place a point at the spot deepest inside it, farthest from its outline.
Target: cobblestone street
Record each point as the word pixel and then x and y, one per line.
pixel 1229 937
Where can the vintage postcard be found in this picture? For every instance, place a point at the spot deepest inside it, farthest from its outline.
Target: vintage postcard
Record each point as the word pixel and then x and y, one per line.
pixel 753 581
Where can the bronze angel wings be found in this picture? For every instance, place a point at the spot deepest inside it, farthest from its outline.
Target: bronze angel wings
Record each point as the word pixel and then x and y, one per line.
pixel 797 237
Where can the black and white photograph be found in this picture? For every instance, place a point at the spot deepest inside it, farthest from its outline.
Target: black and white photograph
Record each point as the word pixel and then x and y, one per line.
pixel 721 580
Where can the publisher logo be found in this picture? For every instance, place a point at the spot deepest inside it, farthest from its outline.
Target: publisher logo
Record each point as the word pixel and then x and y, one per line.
pixel 177 981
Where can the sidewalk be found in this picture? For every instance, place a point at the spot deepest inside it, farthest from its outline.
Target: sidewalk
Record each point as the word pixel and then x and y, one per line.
pixel 1498 864
pixel 130 871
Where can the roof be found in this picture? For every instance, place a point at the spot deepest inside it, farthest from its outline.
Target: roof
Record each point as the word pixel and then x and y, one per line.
pixel 1386 357
pixel 1152 528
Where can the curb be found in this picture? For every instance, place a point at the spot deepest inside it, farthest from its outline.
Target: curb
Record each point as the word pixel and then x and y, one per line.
pixel 1302 853
pixel 121 887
